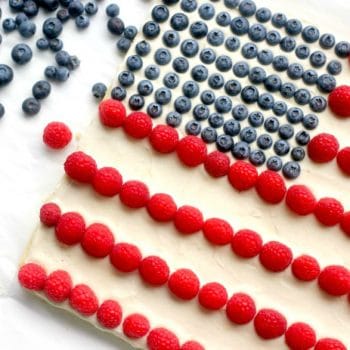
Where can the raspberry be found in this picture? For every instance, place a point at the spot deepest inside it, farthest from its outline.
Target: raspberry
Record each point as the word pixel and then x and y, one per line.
pixel 138 125
pixel 162 339
pixel 329 211
pixel 125 257
pixel 192 345
pixel 57 135
pixel 329 344
pixel 270 324
pixel 323 148
pixel 213 296
pixel 345 223
pixel 50 214
pixel 70 228
pixel 98 240
pixel 335 280
pixel 240 308
pixel 136 326
pixel 242 175
pixel 191 150
pixel 134 194
pixel 154 270
pixel 300 200
pixel 112 113
pixel 161 207
pixel 58 286
pixel 217 231
pixel 246 243
pixel 80 167
pixel 300 336
pixel 275 256
pixel 271 187
pixel 339 101
pixel 83 300
pixel 107 181
pixel 306 268
pixel 32 276
pixel 109 314
pixel 188 219
pixel 343 160
pixel 217 164
pixel 164 138
pixel 184 284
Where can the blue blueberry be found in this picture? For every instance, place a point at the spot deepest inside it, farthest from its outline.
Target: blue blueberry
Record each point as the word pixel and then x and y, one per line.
pixel 198 29
pixel 224 143
pixel 162 96
pixel 248 134
pixel 233 87
pixel 173 119
pixel 143 48
pixel 247 8
pixel 298 153
pixel 302 52
pixel 256 119
pixel 171 38
pixel 239 25
pixel 249 50
pixel 179 21
pixel 190 89
pixel 199 73
pixel 98 90
pixel 273 37
pixel 257 32
pixel 310 34
pixel 207 56
pixel 112 10
pixel 241 150
pixel 250 94
pixel 136 102
pixel 21 53
pixel 295 71
pixel 64 3
pixel 285 131
pixel 257 75
pixel 134 62
pixel 82 21
pixel 6 74
pixel 209 134
pixel 232 43
pixel 193 127
pixel 116 26
pixel 200 112
pixel 310 77
pixel 274 163
pixel 334 67
pixel 287 90
pixel 215 37
pixel 9 25
pixel 265 57
pixel 55 44
pixel 2 110
pixel 130 32
pixel 118 93
pixel 162 56
pixel 206 11
pixel 207 97
pixel 302 97
pixel 62 74
pixel 318 59
pixel 27 29
pixel 326 83
pixel 231 4
pixel 327 41
pixel 223 63
pixel 50 72
pixel 42 44
pixel 280 63
pixel 154 110
pixel 31 106
pixel 216 120
pixel 281 147
pixel 16 5
pixel 52 28
pixel 150 29
pixel 257 157
pixel 295 115
pixel 279 108
pixel 50 5
pixel 30 8
pixel 293 27
pixel 189 48
pixel 318 104
pixel 223 19
pixel 342 49
pixel 266 101
pixel 188 5
pixel 171 80
pixel 123 44
pixel 182 104
pixel 240 112
pixel 273 83
pixel 180 64
pixel 279 20
pixel 310 121
pixel 264 141
pixel 302 138
pixel 263 14
pixel 232 127
pixel 90 8
pixel 144 87
pixel 75 8
pixel 271 124
pixel 21 17
pixel 160 13
pixel 216 81
pixel 288 44
pixel 126 78
pixel 291 170
pixel 241 69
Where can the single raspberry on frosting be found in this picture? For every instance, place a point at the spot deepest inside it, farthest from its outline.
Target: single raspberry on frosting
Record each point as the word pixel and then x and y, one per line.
pixel 217 231
pixel 271 187
pixel 83 300
pixel 50 214
pixel 192 345
pixel 154 270
pixel 112 113
pixel 107 181
pixel 188 219
pixel 80 167
pixel 329 344
pixel 306 268
pixel 162 339
pixel 343 160
pixel 164 138
pixel 335 280
pixel 134 194
pixel 275 256
pixel 32 276
pixel 70 228
pixel 136 326
pixel 345 223
pixel 339 101
pixel 58 286
pixel 57 135
pixel 191 150
pixel 184 283
pixel 138 125
pixel 161 207
pixel 270 324
pixel 242 175
pixel 213 296
pixel 217 164
pixel 329 211
pixel 109 314
pixel 300 336
pixel 323 148
pixel 246 243
pixel 301 200
pixel 125 257
pixel 240 308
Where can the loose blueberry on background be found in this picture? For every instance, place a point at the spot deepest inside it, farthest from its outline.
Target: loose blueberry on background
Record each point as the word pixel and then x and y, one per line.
pixel 173 119
pixel 223 19
pixel 150 29
pixel 293 27
pixel 295 115
pixel 342 49
pixel 27 29
pixel 288 90
pixel 264 141
pixel 274 163
pixel 247 8
pixel 198 29
pixel 134 62
pixel 31 106
pixel 82 21
pixel 182 104
pixel 318 59
pixel 326 83
pixel 273 83
pixel 52 28
pixel 286 131
pixel 295 71
pixel 302 138
pixel 223 63
pixel 118 93
pixel 160 13
pixel 249 50
pixel 241 150
pixel 9 25
pixel 216 120
pixel 206 11
pixel 55 44
pixel 279 108
pixel 209 135
pixel 302 52
pixel 231 4
pixel 256 119
pixel 180 64
pixel 190 89
pixel 216 81
pixel 123 44
pixel 250 94
pixel 144 87
pixel 200 112
pixel 154 110
pixel 288 44
pixel 189 48
pixel 21 53
pixel 233 87
pixel 302 97
pixel 310 34
pixel 265 57
pixel 241 69
pixel 50 72
pixel 112 10
pixel 334 67
pixel 257 75
pixel 271 124
pixel 171 38
pixel 232 43
pixel 99 90
pixel 266 101
pixel 240 112
pixel 162 56
pixel 310 77
pixel 215 37
pixel 257 32
pixel 62 58
pixel 130 32
pixel 6 74
pixel 126 78
pixel 188 5
pixel 136 102
pixel 162 95
pixel 171 80
pixel 75 8
pixel 327 41
pixel 273 37
pixel 279 20
pixel 62 74
pixel 257 157
pixel 291 170
pixel 193 127
pixel 207 97
pixel 248 134
pixel 143 48
pixel 281 147
pixel 21 17
pixel 318 104
pixel 16 5
pixel 91 8
pixel 263 14
pixel 2 110
pixel 224 143
pixel 179 21
pixel 232 127
pixel 298 153
pixel 41 89
pixel 280 63
pixel 310 121
pixel 199 73
pixel 239 26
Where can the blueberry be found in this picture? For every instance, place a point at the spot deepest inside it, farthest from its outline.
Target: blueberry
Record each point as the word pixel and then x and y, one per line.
pixel 162 56
pixel 342 49
pixel 223 63
pixel 180 64
pixel 274 163
pixel 123 44
pixel 279 108
pixel 171 80
pixel 112 10
pixel 190 89
pixel 179 21
pixel 250 94
pixel 62 74
pixel 273 37
pixel 21 17
pixel 310 121
pixel 233 87
pixel 232 43
pixel 295 115
pixel 257 157
pixel 6 74
pixel 215 37
pixel 327 41
pixel 281 147
pixel 241 150
pixel 216 81
pixel 266 101
pixel 256 119
pixel 182 104
pixel 257 32
pixel 160 13
pixel 318 59
pixel 223 19
pixel 265 57
pixel 150 29
pixel 75 8
pixel 279 20
pixel 31 106
pixel 318 104
pixel 21 53
pixel 82 21
pixel 118 93
pixel 42 44
pixel 171 38
pixel 285 131
pixel 239 25
pixel 198 29
pixel 199 73
pixel 280 63
pixel 248 134
pixel 134 62
pixel 334 67
pixel 240 112
pixel 288 44
pixel 55 44
pixel 302 138
pixel 224 143
pixel 209 135
pixel 288 90
pixel 50 72
pixel 257 75
pixel 263 14
pixel 293 27
pixel 91 8
pixel 41 89
pixel 173 119
pixel 295 71
pixel 206 11
pixel 302 52
pixel 189 48
pixel 27 29
pixel 291 170
pixel 136 102
pixel 231 4
pixel 264 141
pixel 99 90
pixel 207 56
pixel 162 95
pixel 310 34
pixel 310 77
pixel 154 110
pixel 30 8
pixel 302 96
pixel 143 48
pixel 52 28
pixel 273 83
pixel 193 127
pixel 247 8
pixel 130 32
pixel 188 5
pixel 2 110
pixel 126 78
pixel 216 120
pixel 326 83
pixel 144 87
pixel 201 112
pixel 232 127
pixel 249 50
pixel 271 124
pixel 298 153
pixel 241 69
pixel 16 5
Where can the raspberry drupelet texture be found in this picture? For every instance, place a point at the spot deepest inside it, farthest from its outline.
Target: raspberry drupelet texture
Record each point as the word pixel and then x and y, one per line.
pixel 271 187
pixel 335 280
pixel 246 243
pixel 80 167
pixel 164 138
pixel 112 113
pixel 343 160
pixel 58 286
pixel 70 228
pixel 184 283
pixel 154 270
pixel 136 326
pixel 83 300
pixel 300 200
pixel 213 296
pixel 242 175
pixel 217 231
pixel 50 214
pixel 339 101
pixel 109 314
pixel 32 276
pixel 134 194
pixel 329 211
pixel 329 344
pixel 240 308
pixel 161 207
pixel 270 324
pixel 125 257
pixel 138 125
pixel 306 268
pixel 345 223
pixel 107 181
pixel 191 150
pixel 323 148
pixel 57 135
pixel 275 256
pixel 162 339
pixel 192 345
pixel 217 164
pixel 188 219
pixel 300 336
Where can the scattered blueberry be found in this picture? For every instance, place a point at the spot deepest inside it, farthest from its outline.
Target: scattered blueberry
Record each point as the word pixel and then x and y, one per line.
pixel 118 93
pixel 232 127
pixel 50 72
pixel 326 83
pixel 154 110
pixel 248 134
pixel 75 8
pixel 6 74
pixel 126 78
pixel 173 119
pixel 280 63
pixel 293 27
pixel 241 69
pixel 9 25
pixel 263 14
pixel 223 63
pixel 264 141
pixel 302 97
pixel 130 32
pixel 295 115
pixel 257 157
pixel 150 29
pixel 334 67
pixel 279 20
pixel 241 150
pixel 63 15
pixel 271 124
pixel 188 5
pixel 247 8
pixel 193 127
pixel 310 34
pixel 82 21
pixel 223 19
pixel 273 38
pixel 198 29
pixel 200 112
pixel 302 138
pixel 21 53
pixel 134 62
pixel 123 44
pixel 16 5
pixel 143 48
pixel 180 64
pixel 209 134
pixel 99 90
pixel 207 97
pixel 207 56
pixel 291 170
pixel 298 153
pixel 257 32
pixel 160 13
pixel 27 29
pixel 310 121
pixel 233 87
pixel 327 41
pixel 112 10
pixel 21 17
pixel 285 131
pixel 295 71
pixel 31 106
pixel 250 94
pixel 162 56
pixel 318 104
pixel 215 37
pixel 288 44
pixel 55 44
pixel 62 74
pixel 239 25
pixel 302 52
pixel 216 120
pixel 249 50
pixel 182 104
pixel 318 59
pixel 266 101
pixel 288 90
pixel 274 163
pixel 190 89
pixel 240 112
pixel 136 102
pixel 162 95
pixel 257 75
pixel 342 49
pixel 256 119
pixel 265 57
pixel 179 21
pixel 273 83
pixel 232 43
pixel 216 81
pixel 171 38
pixel 224 143
pixel 91 8
pixel 116 27
pixel 189 47
pixel 231 4
pixel 310 77
pixel 199 73
pixel 206 11
pixel 171 80
pixel 52 28
pixel 281 147
pixel 144 87
pixel 279 108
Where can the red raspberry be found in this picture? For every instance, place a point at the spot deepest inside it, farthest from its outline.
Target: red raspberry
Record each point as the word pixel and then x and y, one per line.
pixel 138 125
pixel 32 276
pixel 323 148
pixel 300 336
pixel 217 164
pixel 191 150
pixel 125 257
pixel 242 175
pixel 134 194
pixel 275 256
pixel 57 135
pixel 192 345
pixel 246 243
pixel 345 223
pixel 70 228
pixel 300 200
pixel 107 181
pixel 162 339
pixel 164 138
pixel 240 308
pixel 109 314
pixel 50 214
pixel 343 160
pixel 335 280
pixel 306 268
pixel 154 270
pixel 161 207
pixel 271 187
pixel 112 113
pixel 188 219
pixel 98 240
pixel 329 211
pixel 83 300
pixel 184 284
pixel 136 326
pixel 339 101
pixel 80 167
pixel 213 296
pixel 329 344
pixel 217 231
pixel 58 286
pixel 270 324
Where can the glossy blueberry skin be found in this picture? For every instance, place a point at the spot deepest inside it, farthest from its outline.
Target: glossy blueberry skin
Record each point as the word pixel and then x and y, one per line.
pixel 285 131
pixel 82 21
pixel 295 71
pixel 273 83
pixel 288 44
pixel 154 110
pixel 249 50
pixel 171 80
pixel 232 43
pixel 190 89
pixel 50 72
pixel 326 83
pixel 310 121
pixel 188 5
pixel 291 170
pixel 6 74
pixel 52 28
pixel 189 48
pixel 241 69
pixel 206 11
pixel 116 26
pixel 216 81
pixel 126 78
pixel 248 134
pixel 118 93
pixel 143 48
pixel 180 64
pixel 274 163
pixel 295 115
pixel 223 63
pixel 266 101
pixel 209 135
pixel 240 112
pixel 199 73
pixel 256 119
pixel 265 57
pixel 263 14
pixel 98 90
pixel 193 127
pixel 150 29
pixel 160 13
pixel 302 52
pixel 271 124
pixel 247 8
pixel 75 8
pixel 171 38
pixel 144 87
pixel 223 19
pixel 207 56
pixel 215 37
pixel 250 94
pixel 273 37
pixel 182 104
pixel 232 127
pixel 56 44
pixel 62 58
pixel 233 87
pixel 298 153
pixel 162 96
pixel 310 77
pixel 134 62
pixel 162 56
pixel 293 27
pixel 224 143
pixel 31 106
pixel 179 21
pixel 318 104
pixel 287 90
pixel 130 32
pixel 241 150
pixel 136 102
pixel 280 63
pixel 239 26
pixel 257 75
pixel 318 59
pixel 112 10
pixel 62 74
pixel 327 41
pixel 281 147
pixel 302 138
pixel 334 67
pixel 342 49
pixel 310 34
pixel 21 17
pixel 207 97
pixel 279 20
pixel 200 112
pixel 231 4
pixel 91 8
pixel 279 108
pixel 123 44
pixel 27 29
pixel 9 25
pixel 173 119
pixel 21 53
pixel 42 44
pixel 302 97
pixel 257 32
pixel 264 141
pixel 199 29
pixel 216 120
pixel 257 157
